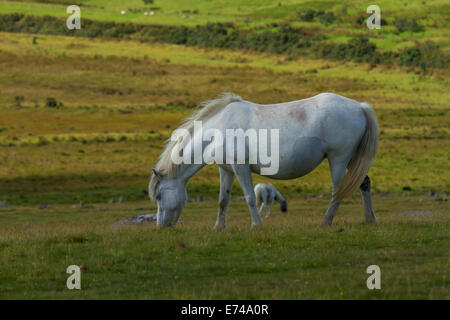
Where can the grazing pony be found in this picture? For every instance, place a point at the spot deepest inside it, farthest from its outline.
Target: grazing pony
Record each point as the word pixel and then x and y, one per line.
pixel 327 125
pixel 267 194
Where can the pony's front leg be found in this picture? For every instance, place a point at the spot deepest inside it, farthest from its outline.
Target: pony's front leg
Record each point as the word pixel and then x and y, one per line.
pixel 226 182
pixel 244 176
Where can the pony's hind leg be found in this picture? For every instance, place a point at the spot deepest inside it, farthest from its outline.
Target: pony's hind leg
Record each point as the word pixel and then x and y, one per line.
pixel 338 170
pixel 270 208
pixel 263 196
pixel 226 182
pixel 244 176
pixel 367 200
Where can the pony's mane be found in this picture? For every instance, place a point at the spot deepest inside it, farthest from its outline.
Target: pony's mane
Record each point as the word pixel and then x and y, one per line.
pixel 206 109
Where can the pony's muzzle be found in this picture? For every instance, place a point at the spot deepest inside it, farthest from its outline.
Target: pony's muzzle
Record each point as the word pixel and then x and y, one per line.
pixel 284 206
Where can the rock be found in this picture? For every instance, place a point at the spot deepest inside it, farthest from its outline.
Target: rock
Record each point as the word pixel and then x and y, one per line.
pixel 431 193
pixel 44 206
pixel 198 199
pixel 417 213
pixel 111 201
pixel 121 200
pixel 145 218
pixel 3 204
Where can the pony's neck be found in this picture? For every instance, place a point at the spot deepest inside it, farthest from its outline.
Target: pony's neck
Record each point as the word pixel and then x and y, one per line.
pixel 186 171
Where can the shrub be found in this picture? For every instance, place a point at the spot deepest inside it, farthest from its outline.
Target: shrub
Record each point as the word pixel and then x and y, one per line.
pixel 327 18
pixel 360 20
pixel 404 24
pixel 410 56
pixel 51 102
pixel 426 55
pixel 324 17
pixel 308 15
pixel 18 100
pixel 356 49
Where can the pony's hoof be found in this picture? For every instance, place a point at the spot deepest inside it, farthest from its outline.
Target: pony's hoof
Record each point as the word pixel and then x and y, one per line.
pixel 375 221
pixel 326 224
pixel 257 225
pixel 219 227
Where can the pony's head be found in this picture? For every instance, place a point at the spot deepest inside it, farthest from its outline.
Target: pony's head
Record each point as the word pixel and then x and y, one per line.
pixel 283 206
pixel 170 194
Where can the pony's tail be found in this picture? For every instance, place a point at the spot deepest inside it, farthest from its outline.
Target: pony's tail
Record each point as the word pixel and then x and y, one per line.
pixel 362 159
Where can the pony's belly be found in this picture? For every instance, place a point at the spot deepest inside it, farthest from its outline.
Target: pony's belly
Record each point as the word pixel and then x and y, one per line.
pixel 298 160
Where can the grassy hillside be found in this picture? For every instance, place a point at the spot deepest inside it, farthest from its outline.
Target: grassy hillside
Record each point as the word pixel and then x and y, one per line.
pixel 117 102
pixel 342 25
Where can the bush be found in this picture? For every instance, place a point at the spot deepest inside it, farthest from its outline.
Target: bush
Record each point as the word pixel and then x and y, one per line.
pixel 360 20
pixel 356 49
pixel 410 56
pixel 427 55
pixel 18 100
pixel 404 24
pixel 51 102
pixel 308 15
pixel 327 18
pixel 324 17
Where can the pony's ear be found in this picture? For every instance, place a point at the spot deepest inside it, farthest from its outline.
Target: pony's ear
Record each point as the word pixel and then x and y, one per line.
pixel 157 174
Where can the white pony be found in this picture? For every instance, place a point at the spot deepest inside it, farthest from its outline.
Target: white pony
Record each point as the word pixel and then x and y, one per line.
pixel 267 194
pixel 324 126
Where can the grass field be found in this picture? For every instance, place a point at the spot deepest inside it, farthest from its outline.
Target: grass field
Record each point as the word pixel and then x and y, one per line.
pixel 85 119
pixel 289 258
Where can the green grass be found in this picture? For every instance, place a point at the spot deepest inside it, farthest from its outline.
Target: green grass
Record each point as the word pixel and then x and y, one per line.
pixel 289 258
